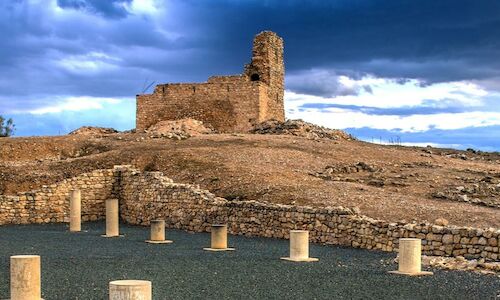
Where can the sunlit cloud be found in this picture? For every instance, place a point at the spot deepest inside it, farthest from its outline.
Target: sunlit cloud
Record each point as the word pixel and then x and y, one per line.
pixel 91 62
pixel 346 118
pixel 383 92
pixel 146 7
pixel 74 104
pixel 405 105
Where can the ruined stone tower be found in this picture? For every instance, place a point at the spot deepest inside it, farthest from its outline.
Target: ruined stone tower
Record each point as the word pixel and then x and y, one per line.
pixel 228 103
pixel 267 66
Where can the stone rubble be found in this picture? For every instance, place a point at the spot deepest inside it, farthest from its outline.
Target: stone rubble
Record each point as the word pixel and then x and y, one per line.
pixel 462 264
pixel 90 130
pixel 300 128
pixel 178 129
pixel 485 192
pixel 361 172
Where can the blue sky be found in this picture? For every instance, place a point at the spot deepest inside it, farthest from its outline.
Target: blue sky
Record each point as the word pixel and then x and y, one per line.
pixel 423 72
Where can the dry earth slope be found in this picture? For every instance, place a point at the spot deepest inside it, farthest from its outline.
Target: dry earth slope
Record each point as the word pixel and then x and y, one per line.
pixel 387 182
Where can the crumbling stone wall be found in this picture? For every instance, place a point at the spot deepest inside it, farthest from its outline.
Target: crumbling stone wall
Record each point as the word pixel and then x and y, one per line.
pixel 150 195
pixel 227 103
pixel 51 203
pixel 145 196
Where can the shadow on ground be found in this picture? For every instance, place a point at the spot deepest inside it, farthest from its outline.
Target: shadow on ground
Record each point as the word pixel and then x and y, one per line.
pixel 79 266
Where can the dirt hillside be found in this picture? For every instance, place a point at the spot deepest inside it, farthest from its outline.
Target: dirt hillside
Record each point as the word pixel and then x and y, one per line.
pixel 386 182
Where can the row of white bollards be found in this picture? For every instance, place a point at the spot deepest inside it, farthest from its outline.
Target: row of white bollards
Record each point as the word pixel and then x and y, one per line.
pixel 25 271
pixel 409 248
pixel 75 215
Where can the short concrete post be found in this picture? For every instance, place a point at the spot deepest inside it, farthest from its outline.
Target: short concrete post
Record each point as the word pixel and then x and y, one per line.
pixel 75 211
pixel 112 218
pixel 130 290
pixel 299 247
pixel 410 258
pixel 218 240
pixel 158 233
pixel 25 281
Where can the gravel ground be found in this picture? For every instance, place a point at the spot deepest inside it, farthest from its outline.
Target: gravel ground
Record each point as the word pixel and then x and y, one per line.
pixel 79 266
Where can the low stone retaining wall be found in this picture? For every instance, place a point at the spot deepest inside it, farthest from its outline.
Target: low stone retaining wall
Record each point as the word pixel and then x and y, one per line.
pixel 145 196
pixel 51 203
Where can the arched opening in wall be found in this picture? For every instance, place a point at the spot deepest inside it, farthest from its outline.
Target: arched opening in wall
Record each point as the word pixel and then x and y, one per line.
pixel 255 77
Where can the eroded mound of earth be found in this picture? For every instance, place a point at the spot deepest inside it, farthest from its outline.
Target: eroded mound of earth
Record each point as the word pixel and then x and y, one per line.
pixel 178 129
pixel 90 130
pixel 301 128
pixel 289 163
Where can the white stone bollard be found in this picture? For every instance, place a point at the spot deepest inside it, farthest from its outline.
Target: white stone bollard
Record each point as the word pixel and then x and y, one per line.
pixel 112 219
pixel 130 290
pixel 410 258
pixel 75 211
pixel 25 279
pixel 299 247
pixel 158 233
pixel 218 238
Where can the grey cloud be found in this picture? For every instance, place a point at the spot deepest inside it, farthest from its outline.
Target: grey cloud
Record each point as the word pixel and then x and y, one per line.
pixel 368 89
pixel 321 83
pixel 108 8
pixel 433 40
pixel 428 107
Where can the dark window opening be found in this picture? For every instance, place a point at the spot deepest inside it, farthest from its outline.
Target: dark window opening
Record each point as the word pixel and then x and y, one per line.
pixel 255 77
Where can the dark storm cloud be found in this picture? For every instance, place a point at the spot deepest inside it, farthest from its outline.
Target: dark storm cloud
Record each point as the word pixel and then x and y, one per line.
pixel 434 40
pixel 321 83
pixel 428 107
pixel 41 43
pixel 190 40
pixel 108 8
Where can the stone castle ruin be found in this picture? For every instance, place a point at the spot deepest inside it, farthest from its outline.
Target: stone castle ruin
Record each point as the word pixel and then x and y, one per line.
pixel 228 103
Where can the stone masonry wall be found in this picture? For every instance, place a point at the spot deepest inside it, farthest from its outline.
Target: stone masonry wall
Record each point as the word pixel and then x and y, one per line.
pixel 149 195
pixel 227 103
pixel 146 196
pixel 51 203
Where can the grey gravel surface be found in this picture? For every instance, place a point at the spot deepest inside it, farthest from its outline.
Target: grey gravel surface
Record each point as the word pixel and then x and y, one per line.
pixel 79 266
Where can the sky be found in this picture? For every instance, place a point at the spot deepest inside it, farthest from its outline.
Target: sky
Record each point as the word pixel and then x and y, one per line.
pixel 415 72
